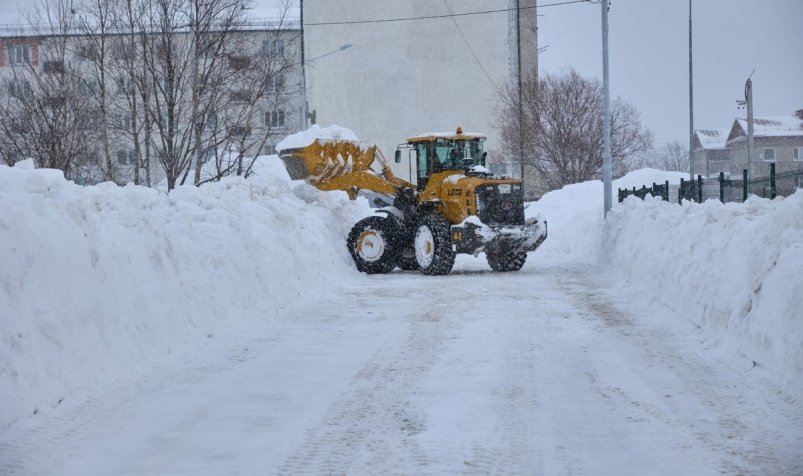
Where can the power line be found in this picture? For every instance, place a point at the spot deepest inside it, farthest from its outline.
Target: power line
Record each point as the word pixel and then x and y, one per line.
pixel 451 15
pixel 479 63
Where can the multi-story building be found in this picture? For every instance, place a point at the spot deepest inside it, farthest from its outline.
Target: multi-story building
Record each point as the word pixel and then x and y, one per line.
pixel 428 67
pixel 251 102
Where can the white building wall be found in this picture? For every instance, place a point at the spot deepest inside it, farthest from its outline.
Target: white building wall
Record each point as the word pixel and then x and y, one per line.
pixel 405 78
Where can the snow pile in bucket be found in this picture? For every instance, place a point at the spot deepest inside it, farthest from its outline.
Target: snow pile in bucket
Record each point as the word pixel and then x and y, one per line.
pixel 316 132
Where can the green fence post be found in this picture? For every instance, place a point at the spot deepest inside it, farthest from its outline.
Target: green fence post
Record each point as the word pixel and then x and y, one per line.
pixel 773 189
pixel 665 195
pixel 744 185
pixel 722 187
pixel 700 189
pixel 681 191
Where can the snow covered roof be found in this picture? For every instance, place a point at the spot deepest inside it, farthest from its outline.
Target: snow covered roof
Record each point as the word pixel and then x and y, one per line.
pixel 776 126
pixel 457 134
pixel 711 139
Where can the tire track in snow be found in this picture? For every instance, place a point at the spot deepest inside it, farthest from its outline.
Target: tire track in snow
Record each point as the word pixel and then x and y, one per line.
pixel 752 429
pixel 369 426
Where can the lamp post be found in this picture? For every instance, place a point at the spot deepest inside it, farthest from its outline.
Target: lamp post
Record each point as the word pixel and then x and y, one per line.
pixel 606 114
pixel 691 107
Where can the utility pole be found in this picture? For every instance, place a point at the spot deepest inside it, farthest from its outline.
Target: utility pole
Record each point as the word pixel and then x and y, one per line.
pixel 606 114
pixel 303 122
pixel 518 75
pixel 691 107
pixel 748 96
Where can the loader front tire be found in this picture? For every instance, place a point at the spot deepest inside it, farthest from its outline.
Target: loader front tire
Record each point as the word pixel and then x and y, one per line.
pixel 433 246
pixel 501 261
pixel 372 243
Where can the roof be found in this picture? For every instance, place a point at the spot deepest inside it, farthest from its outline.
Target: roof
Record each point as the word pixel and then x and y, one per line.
pixel 711 139
pixel 458 134
pixel 777 126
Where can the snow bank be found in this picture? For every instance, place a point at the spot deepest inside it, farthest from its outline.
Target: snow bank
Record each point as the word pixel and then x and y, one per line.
pixel 98 282
pixel 732 269
pixel 307 137
pixel 575 216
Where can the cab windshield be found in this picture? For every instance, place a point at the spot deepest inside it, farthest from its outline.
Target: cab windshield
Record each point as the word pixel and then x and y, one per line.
pixel 448 154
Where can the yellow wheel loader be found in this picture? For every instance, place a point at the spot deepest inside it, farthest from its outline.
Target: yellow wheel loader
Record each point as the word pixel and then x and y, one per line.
pixel 457 206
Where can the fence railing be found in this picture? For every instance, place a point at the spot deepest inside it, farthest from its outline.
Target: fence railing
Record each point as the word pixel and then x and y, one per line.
pixel 722 188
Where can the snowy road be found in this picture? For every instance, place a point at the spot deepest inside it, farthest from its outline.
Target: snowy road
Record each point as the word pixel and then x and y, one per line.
pixel 561 372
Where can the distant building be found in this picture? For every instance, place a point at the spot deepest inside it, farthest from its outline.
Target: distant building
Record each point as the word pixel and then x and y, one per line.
pixel 407 77
pixel 25 55
pixel 710 153
pixel 776 140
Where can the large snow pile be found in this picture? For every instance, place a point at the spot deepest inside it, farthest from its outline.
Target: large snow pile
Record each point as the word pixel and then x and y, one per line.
pixel 575 216
pixel 100 282
pixel 732 269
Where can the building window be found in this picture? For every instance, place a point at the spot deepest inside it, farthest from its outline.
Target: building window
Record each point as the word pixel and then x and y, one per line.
pixel 798 154
pixel 53 67
pixel 211 121
pixel 769 154
pixel 87 87
pixel 86 52
pixel 275 83
pixel 239 131
pixel 126 157
pixel 123 121
pixel 241 95
pixel 274 118
pixel 125 86
pixel 273 48
pixel 239 63
pixel 19 55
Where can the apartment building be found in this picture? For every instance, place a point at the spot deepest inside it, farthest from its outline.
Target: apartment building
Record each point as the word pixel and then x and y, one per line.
pixel 140 86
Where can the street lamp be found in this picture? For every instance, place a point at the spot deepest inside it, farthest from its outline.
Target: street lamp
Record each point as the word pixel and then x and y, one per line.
pixel 606 114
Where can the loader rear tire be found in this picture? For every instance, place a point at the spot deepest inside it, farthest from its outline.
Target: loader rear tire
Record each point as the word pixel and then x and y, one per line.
pixel 503 262
pixel 433 246
pixel 372 243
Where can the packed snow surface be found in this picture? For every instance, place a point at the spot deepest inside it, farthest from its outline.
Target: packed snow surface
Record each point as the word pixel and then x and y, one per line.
pixel 316 132
pixel 101 284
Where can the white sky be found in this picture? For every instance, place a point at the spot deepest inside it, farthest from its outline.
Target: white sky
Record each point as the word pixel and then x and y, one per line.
pixel 649 55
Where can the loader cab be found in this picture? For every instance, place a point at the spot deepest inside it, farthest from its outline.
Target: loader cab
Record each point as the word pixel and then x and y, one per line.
pixel 442 152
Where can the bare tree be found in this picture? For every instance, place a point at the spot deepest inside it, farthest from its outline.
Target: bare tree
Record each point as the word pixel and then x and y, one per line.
pixel 179 80
pixel 95 24
pixel 44 112
pixel 673 156
pixel 562 128
pixel 260 89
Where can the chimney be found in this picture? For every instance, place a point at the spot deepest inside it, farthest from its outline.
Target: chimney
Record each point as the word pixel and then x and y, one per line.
pixel 799 114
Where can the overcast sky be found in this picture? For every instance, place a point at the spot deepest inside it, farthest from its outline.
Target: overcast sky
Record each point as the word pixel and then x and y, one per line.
pixel 649 55
pixel 649 63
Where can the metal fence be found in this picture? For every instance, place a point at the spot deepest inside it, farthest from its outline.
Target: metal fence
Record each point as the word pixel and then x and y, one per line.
pixel 722 188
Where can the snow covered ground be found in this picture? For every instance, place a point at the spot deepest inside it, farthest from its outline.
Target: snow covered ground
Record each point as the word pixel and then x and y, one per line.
pixel 132 321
